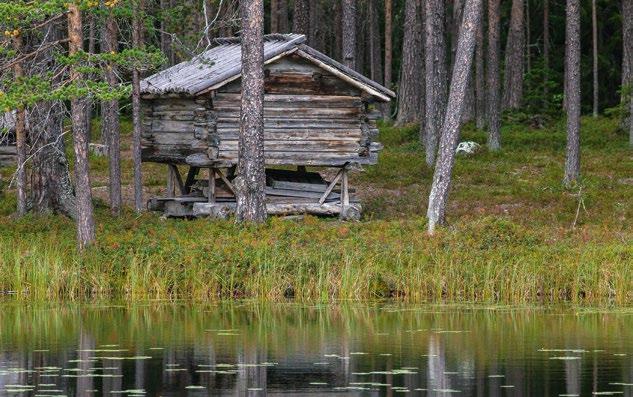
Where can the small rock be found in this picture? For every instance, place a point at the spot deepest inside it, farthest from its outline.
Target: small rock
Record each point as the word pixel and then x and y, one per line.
pixel 468 148
pixel 98 149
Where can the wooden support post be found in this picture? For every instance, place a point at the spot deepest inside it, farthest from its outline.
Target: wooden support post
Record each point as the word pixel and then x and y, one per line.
pixel 191 179
pixel 176 173
pixel 226 181
pixel 171 182
pixel 345 189
pixel 329 189
pixel 211 185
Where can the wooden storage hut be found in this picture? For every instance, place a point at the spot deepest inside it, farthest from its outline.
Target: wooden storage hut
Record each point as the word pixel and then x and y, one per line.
pixel 317 113
pixel 8 152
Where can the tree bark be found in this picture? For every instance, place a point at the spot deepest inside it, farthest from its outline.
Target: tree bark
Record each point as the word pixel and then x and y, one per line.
pixel 165 38
pixel 480 78
pixel 493 75
pixel 283 16
pixel 388 42
pixel 349 33
pixel 137 42
pixel 251 180
pixel 572 162
pixel 450 131
pixel 546 47
pixel 274 16
pixel 515 58
pixel 301 21
pixel 20 136
pixel 375 53
pixel 627 62
pixel 436 76
pixel 85 216
pixel 110 117
pixel 410 95
pixel 594 31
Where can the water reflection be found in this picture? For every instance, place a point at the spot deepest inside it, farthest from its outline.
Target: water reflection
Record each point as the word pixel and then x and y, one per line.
pixel 254 349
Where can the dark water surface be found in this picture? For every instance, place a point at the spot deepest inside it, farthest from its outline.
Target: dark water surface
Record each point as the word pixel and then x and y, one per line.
pixel 249 349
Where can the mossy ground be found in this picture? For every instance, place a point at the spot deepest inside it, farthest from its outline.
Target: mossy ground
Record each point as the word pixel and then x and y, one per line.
pixel 515 235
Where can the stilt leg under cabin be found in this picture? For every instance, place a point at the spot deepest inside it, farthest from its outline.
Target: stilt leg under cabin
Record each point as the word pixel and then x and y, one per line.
pixel 211 193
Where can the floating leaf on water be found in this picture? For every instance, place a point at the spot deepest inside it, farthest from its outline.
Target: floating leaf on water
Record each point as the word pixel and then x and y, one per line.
pixel 156 348
pixel 318 383
pixel 606 393
pixel 321 363
pixel 194 387
pixel 619 354
pixel 446 391
pixel 565 358
pixel 358 353
pixel 507 386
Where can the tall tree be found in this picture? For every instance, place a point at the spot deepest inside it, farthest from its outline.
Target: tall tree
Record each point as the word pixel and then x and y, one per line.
pixel 412 70
pixel 515 58
pixel 85 217
pixel 546 47
pixel 627 61
pixel 436 76
pixel 349 33
pixel 110 116
pixel 282 10
pixel 594 39
pixel 375 53
pixel 493 75
pixel 165 37
pixel 20 134
pixel 251 180
pixel 301 21
pixel 480 79
pixel 572 162
pixel 388 42
pixel 436 212
pixel 274 16
pixel 138 43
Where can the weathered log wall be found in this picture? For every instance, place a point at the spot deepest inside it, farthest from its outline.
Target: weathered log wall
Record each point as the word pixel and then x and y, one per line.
pixel 8 155
pixel 310 118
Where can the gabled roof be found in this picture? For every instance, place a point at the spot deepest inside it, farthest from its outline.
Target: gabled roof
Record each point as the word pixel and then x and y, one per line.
pixel 223 64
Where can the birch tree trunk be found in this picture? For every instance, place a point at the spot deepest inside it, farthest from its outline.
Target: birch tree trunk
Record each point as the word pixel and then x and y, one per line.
pixel 572 162
pixel 349 33
pixel 450 131
pixel 493 75
pixel 436 76
pixel 594 31
pixel 251 180
pixel 515 58
pixel 137 42
pixel 410 94
pixel 301 22
pixel 20 136
pixel 85 217
pixel 110 117
pixel 480 79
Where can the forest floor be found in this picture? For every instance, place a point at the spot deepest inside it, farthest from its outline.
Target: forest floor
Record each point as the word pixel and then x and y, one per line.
pixel 515 235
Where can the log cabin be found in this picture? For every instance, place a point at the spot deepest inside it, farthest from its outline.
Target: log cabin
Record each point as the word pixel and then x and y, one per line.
pixel 317 113
pixel 8 151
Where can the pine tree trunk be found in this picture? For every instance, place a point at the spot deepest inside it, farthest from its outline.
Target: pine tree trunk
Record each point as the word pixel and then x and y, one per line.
pixel 494 75
pixel 165 38
pixel 283 16
pixel 110 117
pixel 301 22
pixel 515 58
pixel 480 78
pixel 137 42
pixel 251 180
pixel 349 33
pixel 450 131
pixel 455 24
pixel 546 47
pixel 85 217
pixel 627 62
pixel 20 136
pixel 316 33
pixel 594 30
pixel 388 42
pixel 436 76
pixel 411 91
pixel 572 163
pixel 274 16
pixel 375 53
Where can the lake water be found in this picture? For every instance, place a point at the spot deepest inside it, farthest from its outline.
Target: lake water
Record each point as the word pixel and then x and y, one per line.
pixel 254 349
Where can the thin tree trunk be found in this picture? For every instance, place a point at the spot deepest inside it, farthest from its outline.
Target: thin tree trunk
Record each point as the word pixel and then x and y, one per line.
pixel 316 33
pixel 594 18
pixel 493 75
pixel 411 92
pixel 375 53
pixel 388 42
pixel 283 16
pixel 546 46
pixel 301 22
pixel 274 16
pixel 528 58
pixel 572 163
pixel 251 180
pixel 137 42
pixel 480 78
pixel 20 136
pixel 515 58
pixel 85 217
pixel 450 131
pixel 627 62
pixel 165 38
pixel 110 117
pixel 436 76
pixel 349 33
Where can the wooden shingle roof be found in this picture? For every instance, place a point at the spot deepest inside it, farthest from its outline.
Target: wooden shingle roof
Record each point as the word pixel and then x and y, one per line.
pixel 223 64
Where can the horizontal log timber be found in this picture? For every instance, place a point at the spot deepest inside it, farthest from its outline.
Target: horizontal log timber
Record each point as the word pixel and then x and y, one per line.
pixel 280 209
pixel 8 150
pixel 298 146
pixel 292 111
pixel 318 100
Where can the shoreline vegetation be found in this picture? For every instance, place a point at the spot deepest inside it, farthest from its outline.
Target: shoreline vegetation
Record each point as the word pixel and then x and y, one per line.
pixel 516 235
